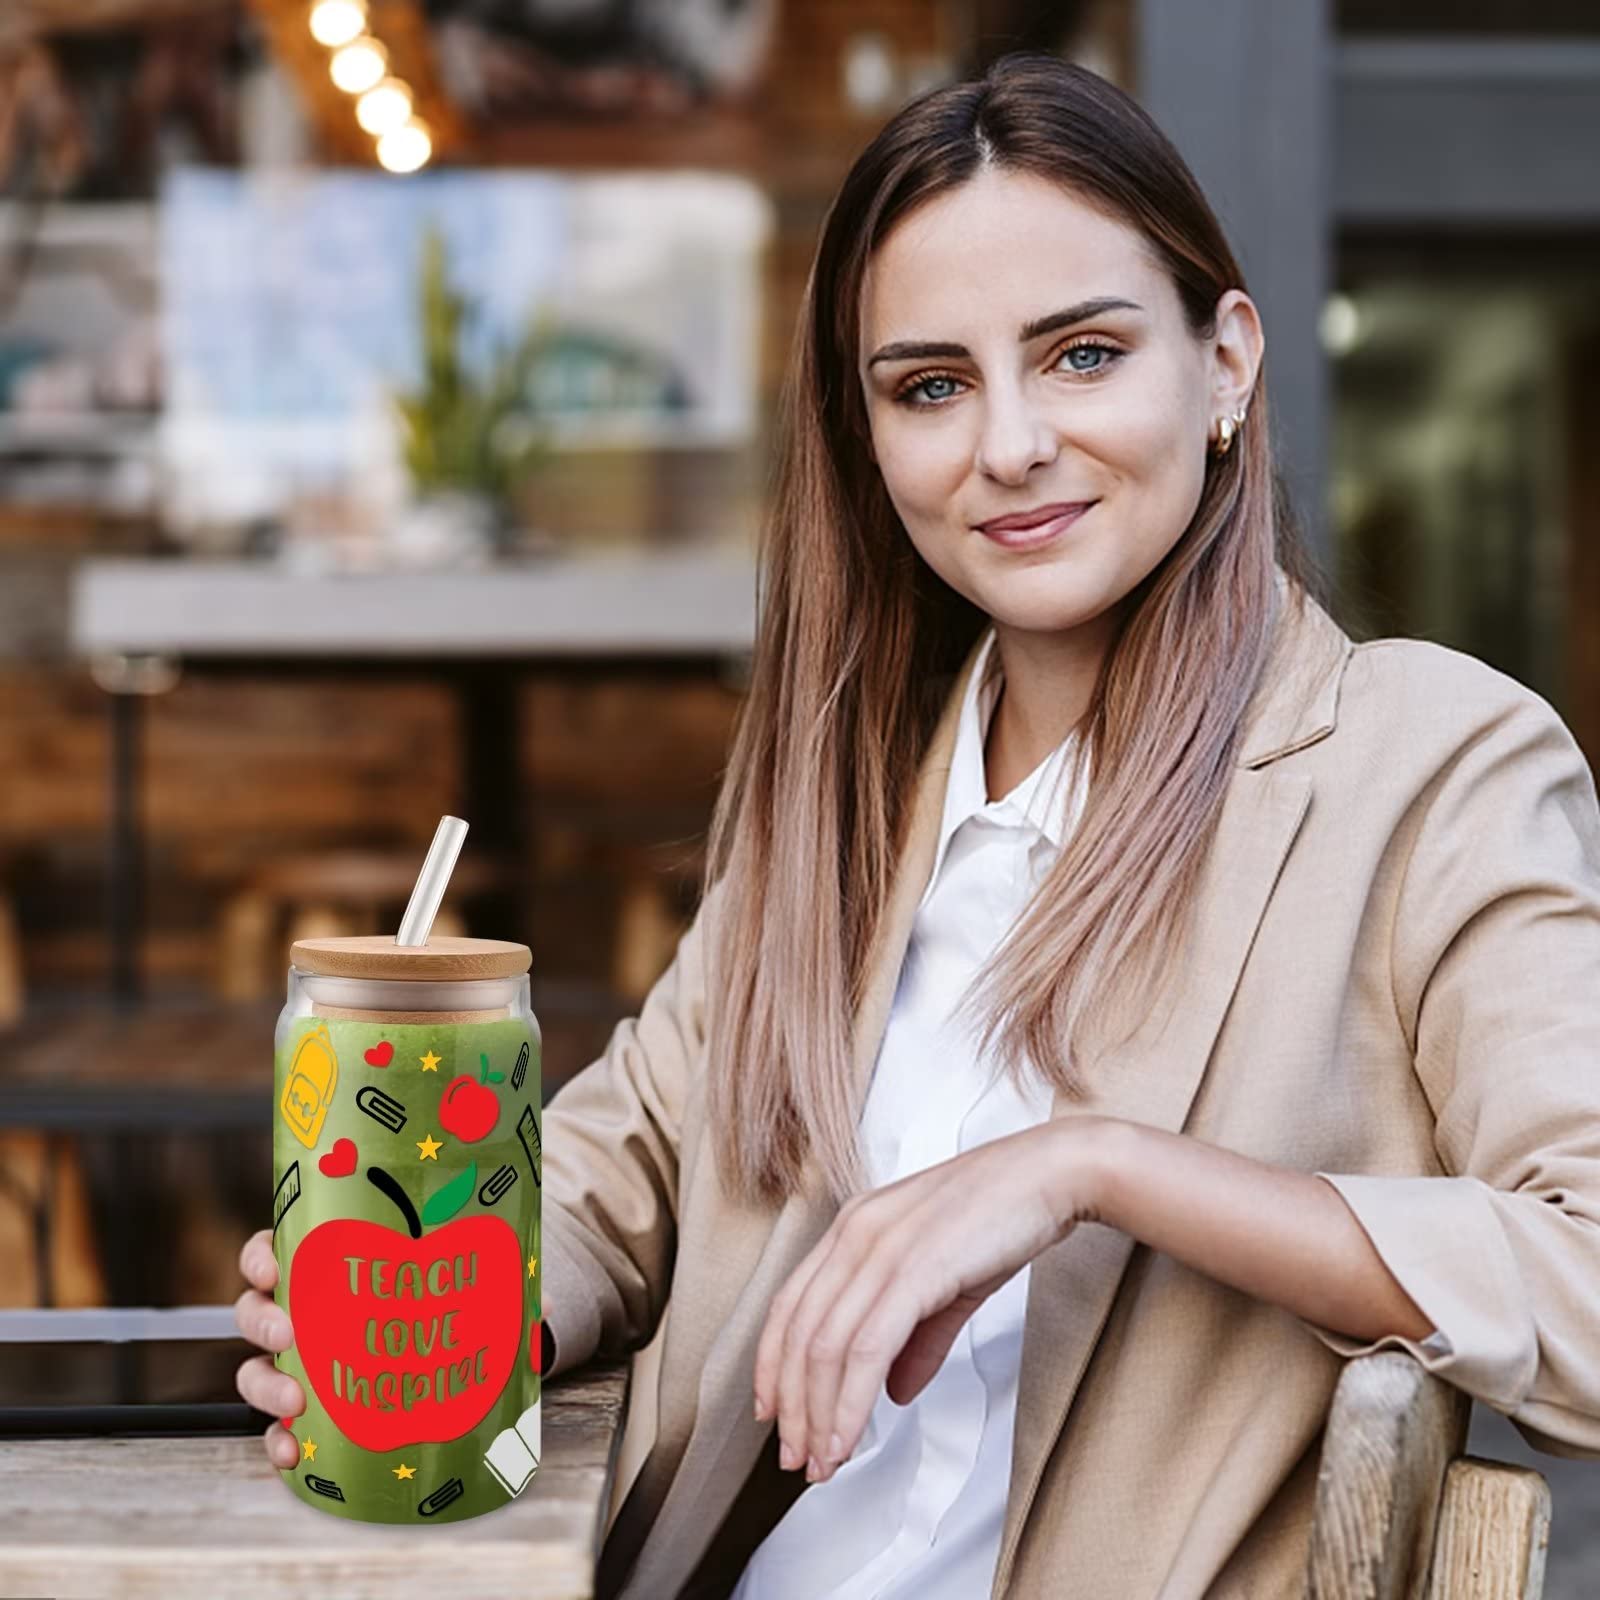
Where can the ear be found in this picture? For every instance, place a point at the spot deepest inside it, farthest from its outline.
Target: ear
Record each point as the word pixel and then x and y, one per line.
pixel 1237 351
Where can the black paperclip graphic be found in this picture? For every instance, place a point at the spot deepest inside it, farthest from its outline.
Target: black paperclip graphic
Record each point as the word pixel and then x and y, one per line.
pixel 494 1187
pixel 445 1494
pixel 525 1126
pixel 382 1108
pixel 285 1195
pixel 324 1486
pixel 520 1071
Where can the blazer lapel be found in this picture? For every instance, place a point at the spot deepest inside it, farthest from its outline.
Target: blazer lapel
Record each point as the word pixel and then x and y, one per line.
pixel 1154 1080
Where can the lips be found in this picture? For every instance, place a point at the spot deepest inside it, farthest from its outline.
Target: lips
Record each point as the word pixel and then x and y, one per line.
pixel 1020 521
pixel 1041 528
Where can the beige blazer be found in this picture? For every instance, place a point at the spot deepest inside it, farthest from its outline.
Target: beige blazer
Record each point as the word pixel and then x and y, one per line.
pixel 1396 984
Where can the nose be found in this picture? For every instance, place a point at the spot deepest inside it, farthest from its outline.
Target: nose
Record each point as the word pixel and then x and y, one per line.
pixel 1015 439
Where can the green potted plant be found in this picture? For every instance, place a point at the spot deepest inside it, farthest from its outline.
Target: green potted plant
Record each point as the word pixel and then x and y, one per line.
pixel 469 439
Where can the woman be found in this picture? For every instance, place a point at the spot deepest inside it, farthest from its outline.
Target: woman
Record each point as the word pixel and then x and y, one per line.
pixel 1022 1154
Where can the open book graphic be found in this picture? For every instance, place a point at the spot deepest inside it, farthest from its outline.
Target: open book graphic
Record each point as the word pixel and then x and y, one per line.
pixel 514 1456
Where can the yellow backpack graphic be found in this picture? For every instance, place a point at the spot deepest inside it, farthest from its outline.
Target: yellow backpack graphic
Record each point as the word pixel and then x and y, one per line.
pixel 309 1090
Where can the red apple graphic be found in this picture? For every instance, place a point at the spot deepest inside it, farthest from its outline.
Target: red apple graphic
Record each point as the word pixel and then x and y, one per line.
pixel 469 1108
pixel 332 1299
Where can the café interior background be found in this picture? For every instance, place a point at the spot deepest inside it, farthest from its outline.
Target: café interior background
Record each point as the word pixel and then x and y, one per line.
pixel 576 266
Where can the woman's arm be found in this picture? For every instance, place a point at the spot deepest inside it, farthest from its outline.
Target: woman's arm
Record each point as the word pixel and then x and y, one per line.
pixel 1277 1234
pixel 609 1208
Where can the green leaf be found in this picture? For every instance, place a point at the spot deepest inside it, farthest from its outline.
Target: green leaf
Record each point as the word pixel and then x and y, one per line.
pixel 451 426
pixel 444 1203
pixel 497 1077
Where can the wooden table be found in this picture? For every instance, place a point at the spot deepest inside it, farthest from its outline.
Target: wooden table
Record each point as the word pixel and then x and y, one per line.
pixel 208 1519
pixel 139 622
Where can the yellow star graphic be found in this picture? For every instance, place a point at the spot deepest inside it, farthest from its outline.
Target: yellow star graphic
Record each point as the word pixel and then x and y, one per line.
pixel 403 1471
pixel 430 1147
pixel 309 1447
pixel 533 1261
pixel 430 1062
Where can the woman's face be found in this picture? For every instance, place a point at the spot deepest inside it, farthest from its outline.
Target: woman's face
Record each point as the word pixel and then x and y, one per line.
pixel 996 385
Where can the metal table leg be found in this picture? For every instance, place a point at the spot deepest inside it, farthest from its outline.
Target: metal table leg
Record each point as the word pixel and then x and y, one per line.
pixel 127 680
pixel 125 868
pixel 495 800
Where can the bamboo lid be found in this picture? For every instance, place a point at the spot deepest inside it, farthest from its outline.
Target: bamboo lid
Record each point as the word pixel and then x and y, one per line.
pixel 376 955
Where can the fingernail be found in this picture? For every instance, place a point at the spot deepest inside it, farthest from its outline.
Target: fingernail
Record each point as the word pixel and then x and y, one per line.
pixel 761 1410
pixel 835 1447
pixel 788 1457
pixel 813 1471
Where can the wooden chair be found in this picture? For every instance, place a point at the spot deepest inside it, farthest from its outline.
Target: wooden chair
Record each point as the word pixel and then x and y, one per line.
pixel 1402 1513
pixel 40 1172
pixel 55 1263
pixel 657 880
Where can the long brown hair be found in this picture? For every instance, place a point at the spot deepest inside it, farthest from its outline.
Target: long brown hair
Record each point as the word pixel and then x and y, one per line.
pixel 857 639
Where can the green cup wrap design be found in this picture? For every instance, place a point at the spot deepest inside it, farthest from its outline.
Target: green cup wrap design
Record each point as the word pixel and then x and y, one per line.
pixel 406 1170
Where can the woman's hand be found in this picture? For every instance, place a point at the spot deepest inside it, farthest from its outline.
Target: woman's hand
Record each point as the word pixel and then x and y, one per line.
pixel 887 1288
pixel 263 1323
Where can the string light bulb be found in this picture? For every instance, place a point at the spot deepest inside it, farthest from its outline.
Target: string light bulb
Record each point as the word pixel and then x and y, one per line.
pixel 359 66
pixel 337 22
pixel 407 147
pixel 384 108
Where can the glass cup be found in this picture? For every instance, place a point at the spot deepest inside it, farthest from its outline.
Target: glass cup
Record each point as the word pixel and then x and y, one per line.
pixel 405 1221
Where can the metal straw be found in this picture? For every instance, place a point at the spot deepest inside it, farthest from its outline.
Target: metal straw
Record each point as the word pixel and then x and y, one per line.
pixel 431 882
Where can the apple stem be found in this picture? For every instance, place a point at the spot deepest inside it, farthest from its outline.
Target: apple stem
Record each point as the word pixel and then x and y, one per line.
pixel 385 1184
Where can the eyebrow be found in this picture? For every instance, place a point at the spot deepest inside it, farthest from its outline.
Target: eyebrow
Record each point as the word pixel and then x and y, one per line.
pixel 918 350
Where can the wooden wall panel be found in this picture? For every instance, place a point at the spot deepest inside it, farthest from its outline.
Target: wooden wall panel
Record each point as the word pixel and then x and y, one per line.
pixel 622 771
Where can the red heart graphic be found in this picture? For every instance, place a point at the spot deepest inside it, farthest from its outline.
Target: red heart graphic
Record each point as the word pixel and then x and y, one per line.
pixel 340 1161
pixel 380 1055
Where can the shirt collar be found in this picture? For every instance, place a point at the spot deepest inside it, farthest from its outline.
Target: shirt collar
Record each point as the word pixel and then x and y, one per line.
pixel 1038 800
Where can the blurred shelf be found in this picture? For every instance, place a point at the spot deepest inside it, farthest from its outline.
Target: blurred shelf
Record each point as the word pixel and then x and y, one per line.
pixel 75 434
pixel 699 599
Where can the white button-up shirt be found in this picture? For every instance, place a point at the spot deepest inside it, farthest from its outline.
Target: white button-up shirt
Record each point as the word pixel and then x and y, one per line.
pixel 916 1510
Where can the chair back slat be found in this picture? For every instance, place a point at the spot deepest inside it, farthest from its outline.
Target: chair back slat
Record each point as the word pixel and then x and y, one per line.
pixel 1393 1430
pixel 1494 1529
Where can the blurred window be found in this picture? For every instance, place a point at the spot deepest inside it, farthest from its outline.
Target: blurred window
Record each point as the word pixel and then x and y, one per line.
pixel 1466 394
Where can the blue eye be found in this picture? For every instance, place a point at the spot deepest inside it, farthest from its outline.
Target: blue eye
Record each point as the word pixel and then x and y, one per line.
pixel 924 388
pixel 918 393
pixel 1091 345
